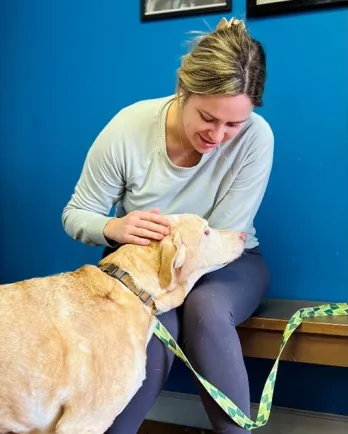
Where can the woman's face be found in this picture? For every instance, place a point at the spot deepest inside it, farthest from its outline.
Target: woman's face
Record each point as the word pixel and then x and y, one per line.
pixel 209 121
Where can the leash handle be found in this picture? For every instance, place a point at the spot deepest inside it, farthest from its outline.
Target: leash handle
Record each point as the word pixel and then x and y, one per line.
pixel 235 413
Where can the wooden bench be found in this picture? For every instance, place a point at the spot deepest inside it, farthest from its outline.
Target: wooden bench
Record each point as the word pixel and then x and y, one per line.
pixel 322 340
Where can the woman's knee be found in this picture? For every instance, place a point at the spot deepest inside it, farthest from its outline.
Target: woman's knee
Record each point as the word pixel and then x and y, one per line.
pixel 229 295
pixel 209 333
pixel 206 311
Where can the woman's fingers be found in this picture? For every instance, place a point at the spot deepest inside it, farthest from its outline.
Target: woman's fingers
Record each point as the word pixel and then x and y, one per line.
pixel 153 227
pixel 142 226
pixel 145 233
pixel 154 218
pixel 132 239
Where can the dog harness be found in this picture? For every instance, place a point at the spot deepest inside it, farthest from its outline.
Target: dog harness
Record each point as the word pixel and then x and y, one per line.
pixel 123 277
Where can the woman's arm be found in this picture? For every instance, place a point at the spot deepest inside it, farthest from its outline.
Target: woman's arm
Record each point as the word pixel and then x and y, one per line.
pixel 99 188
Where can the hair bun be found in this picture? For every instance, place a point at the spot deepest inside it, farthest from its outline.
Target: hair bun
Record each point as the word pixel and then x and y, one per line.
pixel 224 23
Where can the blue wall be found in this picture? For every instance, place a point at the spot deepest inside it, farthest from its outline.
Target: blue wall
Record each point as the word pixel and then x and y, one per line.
pixel 66 69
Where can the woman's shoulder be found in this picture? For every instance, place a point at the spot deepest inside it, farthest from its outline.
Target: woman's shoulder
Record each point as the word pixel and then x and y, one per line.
pixel 140 114
pixel 259 129
pixel 132 127
pixel 126 143
pixel 254 140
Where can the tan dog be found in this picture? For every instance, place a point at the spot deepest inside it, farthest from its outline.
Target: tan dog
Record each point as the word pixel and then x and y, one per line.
pixel 73 345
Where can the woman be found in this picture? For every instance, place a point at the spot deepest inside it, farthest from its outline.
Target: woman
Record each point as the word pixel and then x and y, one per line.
pixel 201 151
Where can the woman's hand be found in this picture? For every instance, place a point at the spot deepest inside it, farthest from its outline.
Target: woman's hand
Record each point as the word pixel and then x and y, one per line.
pixel 137 227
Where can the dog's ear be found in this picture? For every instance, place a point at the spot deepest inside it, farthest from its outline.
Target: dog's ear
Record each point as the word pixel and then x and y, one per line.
pixel 172 256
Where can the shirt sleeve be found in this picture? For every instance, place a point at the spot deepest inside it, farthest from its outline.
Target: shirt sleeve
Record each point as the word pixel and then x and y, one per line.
pixel 239 206
pixel 99 188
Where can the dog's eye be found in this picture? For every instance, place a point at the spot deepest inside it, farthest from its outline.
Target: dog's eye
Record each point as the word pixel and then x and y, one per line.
pixel 207 231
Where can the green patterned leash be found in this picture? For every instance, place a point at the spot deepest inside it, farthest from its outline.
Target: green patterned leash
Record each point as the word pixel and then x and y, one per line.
pixel 332 309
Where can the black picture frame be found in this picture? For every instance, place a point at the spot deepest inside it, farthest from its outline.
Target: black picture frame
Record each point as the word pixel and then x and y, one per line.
pixel 258 8
pixel 221 6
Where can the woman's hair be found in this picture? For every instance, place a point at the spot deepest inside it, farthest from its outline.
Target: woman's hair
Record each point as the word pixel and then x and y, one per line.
pixel 227 61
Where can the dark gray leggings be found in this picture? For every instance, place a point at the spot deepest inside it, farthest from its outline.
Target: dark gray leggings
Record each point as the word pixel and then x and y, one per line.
pixel 207 320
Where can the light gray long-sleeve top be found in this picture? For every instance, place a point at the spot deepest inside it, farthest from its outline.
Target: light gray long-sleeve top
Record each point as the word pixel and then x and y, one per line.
pixel 128 166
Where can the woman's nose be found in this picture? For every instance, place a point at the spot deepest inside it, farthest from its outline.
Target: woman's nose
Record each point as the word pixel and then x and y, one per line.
pixel 217 135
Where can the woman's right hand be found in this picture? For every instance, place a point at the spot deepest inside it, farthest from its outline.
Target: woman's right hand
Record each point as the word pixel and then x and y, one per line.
pixel 137 227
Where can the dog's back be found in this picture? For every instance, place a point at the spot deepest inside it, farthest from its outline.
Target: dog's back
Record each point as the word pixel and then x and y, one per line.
pixel 63 340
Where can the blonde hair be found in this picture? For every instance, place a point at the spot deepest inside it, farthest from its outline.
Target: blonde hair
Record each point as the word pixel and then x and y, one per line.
pixel 227 61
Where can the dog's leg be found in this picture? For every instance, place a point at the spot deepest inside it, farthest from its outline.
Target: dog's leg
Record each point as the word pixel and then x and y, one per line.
pixel 94 411
pixel 84 421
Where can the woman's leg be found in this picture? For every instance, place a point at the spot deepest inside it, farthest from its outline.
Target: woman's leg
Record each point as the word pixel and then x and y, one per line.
pixel 159 362
pixel 219 302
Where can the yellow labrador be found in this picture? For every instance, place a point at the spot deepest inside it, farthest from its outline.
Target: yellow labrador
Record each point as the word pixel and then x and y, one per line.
pixel 73 345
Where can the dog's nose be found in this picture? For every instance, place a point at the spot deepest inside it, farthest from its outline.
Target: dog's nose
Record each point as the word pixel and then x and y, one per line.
pixel 243 236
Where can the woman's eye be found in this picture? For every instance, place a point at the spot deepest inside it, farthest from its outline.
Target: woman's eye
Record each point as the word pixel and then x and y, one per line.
pixel 205 119
pixel 207 232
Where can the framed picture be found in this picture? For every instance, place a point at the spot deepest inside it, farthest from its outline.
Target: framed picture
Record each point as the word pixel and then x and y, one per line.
pixel 259 8
pixel 164 9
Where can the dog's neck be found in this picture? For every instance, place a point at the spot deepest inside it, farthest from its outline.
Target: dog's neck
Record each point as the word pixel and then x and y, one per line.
pixel 143 266
pixel 124 278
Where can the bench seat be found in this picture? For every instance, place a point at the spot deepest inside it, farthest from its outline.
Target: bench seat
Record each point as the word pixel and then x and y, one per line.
pixel 321 340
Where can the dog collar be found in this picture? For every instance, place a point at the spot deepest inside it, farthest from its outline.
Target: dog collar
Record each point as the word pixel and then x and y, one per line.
pixel 121 275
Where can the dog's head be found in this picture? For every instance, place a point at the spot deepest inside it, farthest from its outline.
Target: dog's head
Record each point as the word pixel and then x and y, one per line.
pixel 191 250
pixel 169 268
